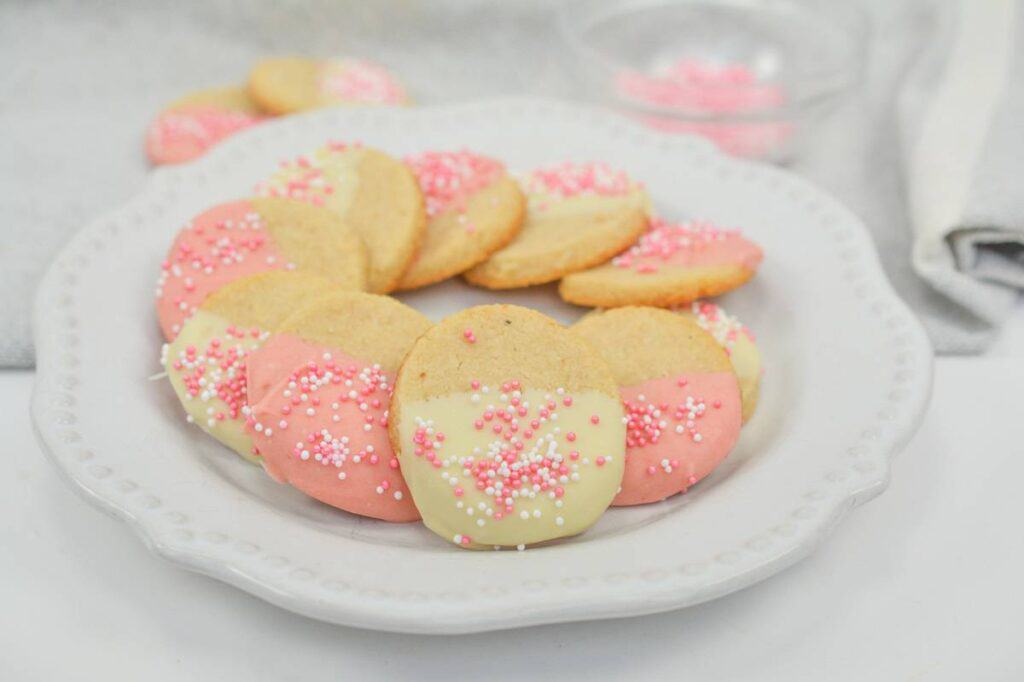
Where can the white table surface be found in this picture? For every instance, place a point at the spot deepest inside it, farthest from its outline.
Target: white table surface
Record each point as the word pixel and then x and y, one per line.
pixel 922 583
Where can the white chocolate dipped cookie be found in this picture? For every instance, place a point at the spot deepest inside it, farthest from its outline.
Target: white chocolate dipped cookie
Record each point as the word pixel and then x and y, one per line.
pixel 739 344
pixel 206 362
pixel 577 216
pixel 509 429
pixel 473 209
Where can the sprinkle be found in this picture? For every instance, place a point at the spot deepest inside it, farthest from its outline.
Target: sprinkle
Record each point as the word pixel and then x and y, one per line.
pixel 448 179
pixel 666 243
pixel 570 179
pixel 360 81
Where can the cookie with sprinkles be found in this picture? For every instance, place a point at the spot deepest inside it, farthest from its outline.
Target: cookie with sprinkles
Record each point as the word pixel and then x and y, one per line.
pixel 207 362
pixel 578 215
pixel 739 344
pixel 244 237
pixel 681 398
pixel 286 85
pixel 671 264
pixel 473 209
pixel 319 391
pixel 188 127
pixel 508 427
pixel 371 191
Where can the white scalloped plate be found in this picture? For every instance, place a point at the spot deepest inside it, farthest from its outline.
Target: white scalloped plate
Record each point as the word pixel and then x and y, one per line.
pixel 848 378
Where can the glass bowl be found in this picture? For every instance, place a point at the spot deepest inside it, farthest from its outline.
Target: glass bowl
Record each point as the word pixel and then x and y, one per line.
pixel 754 76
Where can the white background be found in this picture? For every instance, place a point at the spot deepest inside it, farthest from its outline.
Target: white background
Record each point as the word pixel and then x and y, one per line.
pixel 922 583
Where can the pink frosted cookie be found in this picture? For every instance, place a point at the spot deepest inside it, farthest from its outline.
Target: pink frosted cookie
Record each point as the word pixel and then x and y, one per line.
pixel 286 85
pixel 244 237
pixel 473 209
pixel 193 124
pixel 681 397
pixel 319 391
pixel 739 344
pixel 671 263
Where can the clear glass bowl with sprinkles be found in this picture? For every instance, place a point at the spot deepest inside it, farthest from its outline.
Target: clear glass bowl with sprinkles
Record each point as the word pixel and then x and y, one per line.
pixel 753 76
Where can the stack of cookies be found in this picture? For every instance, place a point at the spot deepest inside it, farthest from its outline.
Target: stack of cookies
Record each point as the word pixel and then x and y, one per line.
pixel 497 426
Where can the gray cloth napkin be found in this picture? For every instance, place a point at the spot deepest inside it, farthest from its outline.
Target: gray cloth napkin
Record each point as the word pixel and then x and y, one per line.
pixel 82 80
pixel 962 125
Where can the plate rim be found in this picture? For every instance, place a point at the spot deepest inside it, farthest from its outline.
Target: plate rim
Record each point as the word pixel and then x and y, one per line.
pixel 175 540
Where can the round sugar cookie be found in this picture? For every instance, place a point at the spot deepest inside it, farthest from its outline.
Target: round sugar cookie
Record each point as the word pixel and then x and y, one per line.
pixel 577 215
pixel 206 362
pixel 244 237
pixel 188 127
pixel 319 391
pixel 473 209
pixel 739 344
pixel 286 85
pixel 508 427
pixel 371 191
pixel 672 263
pixel 681 398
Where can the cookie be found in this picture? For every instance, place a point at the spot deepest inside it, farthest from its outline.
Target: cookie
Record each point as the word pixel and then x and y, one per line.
pixel 244 237
pixel 473 209
pixel 206 363
pixel 374 193
pixel 188 127
pixel 681 398
pixel 739 344
pixel 671 264
pixel 286 85
pixel 508 427
pixel 577 215
pixel 319 391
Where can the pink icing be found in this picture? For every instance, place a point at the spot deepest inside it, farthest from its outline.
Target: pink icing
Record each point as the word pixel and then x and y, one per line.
pixel 320 420
pixel 570 179
pixel 217 247
pixel 359 80
pixel 678 430
pixel 688 244
pixel 184 134
pixel 447 179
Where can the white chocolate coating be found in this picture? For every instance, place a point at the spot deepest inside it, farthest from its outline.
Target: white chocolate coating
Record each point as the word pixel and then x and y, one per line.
pixel 567 492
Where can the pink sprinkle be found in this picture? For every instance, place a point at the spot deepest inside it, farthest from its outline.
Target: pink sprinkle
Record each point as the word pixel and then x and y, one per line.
pixel 594 419
pixel 570 436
